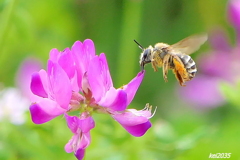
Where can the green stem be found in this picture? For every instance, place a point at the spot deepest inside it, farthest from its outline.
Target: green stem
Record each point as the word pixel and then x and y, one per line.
pixel 129 52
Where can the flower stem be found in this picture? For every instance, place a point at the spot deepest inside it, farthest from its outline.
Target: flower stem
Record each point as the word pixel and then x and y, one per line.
pixel 129 52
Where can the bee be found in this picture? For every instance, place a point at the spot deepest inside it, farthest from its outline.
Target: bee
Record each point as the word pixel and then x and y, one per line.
pixel 175 57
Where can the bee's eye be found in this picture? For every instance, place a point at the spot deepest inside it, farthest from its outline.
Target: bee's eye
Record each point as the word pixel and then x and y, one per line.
pixel 146 53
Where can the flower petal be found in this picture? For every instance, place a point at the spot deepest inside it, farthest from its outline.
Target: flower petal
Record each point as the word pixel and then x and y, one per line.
pixel 132 87
pixel 85 141
pixel 66 61
pixel 72 122
pixel 84 124
pixel 83 53
pixel 39 80
pixel 135 124
pixel 105 68
pixel 99 77
pixel 77 51
pixel 114 99
pixel 89 49
pixel 53 55
pixel 138 130
pixel 74 83
pixel 78 142
pixel 69 146
pixel 60 84
pixel 45 110
pixel 80 154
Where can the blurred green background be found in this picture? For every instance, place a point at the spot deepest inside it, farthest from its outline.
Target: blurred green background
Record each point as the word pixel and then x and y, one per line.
pixel 32 28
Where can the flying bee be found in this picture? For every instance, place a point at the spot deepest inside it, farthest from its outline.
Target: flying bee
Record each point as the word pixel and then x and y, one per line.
pixel 175 57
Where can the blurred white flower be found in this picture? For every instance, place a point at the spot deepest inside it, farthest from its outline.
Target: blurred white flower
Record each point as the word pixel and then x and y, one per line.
pixel 13 106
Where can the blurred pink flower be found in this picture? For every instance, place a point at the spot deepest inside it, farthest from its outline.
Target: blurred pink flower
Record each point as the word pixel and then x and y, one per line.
pixel 24 74
pixel 221 64
pixel 79 80
pixel 14 102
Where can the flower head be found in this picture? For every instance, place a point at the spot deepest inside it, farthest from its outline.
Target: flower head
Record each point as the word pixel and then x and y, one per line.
pixel 78 80
pixel 80 127
pixel 221 64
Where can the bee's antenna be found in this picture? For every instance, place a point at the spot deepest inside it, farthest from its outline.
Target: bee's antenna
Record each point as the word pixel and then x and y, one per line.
pixel 139 45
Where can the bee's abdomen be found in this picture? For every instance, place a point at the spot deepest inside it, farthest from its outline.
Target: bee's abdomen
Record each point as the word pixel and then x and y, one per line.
pixel 189 64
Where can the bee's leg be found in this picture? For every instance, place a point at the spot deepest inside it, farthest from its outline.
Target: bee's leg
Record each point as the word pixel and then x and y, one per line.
pixel 179 70
pixel 154 65
pixel 165 66
pixel 178 77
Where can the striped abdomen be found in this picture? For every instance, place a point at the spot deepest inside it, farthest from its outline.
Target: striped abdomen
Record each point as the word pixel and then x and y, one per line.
pixel 189 64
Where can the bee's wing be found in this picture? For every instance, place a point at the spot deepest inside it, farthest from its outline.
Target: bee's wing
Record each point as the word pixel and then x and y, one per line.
pixel 190 44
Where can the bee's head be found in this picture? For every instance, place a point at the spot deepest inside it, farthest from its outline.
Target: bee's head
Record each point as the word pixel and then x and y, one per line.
pixel 145 56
